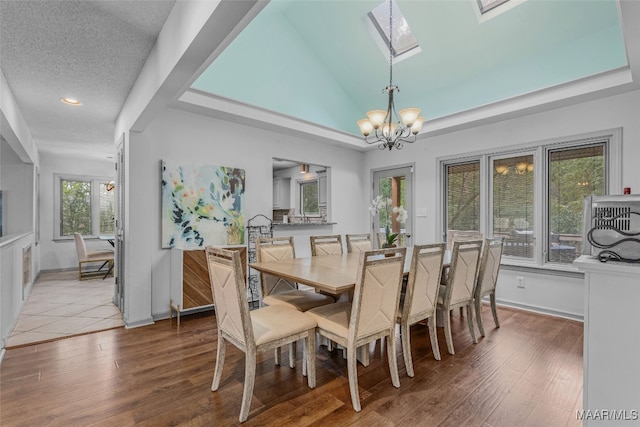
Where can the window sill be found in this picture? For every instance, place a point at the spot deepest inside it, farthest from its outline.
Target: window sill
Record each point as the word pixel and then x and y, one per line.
pixel 553 269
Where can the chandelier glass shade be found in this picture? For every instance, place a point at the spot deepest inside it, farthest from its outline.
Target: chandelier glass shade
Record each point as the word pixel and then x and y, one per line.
pixel 386 127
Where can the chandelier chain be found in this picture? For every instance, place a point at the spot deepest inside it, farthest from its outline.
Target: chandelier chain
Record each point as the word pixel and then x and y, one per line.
pixel 380 127
pixel 390 43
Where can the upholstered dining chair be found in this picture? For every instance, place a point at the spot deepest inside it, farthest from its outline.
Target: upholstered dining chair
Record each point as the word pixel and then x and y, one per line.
pixel 264 329
pixel 420 298
pixel 460 285
pixel 326 245
pixel 279 291
pixel 371 315
pixel 488 278
pixel 88 257
pixel 358 242
pixel 461 235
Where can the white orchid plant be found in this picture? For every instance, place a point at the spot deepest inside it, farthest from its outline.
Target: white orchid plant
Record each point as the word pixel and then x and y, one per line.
pixel 384 206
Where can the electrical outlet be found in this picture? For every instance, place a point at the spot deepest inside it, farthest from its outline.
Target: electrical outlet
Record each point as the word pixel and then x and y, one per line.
pixel 520 282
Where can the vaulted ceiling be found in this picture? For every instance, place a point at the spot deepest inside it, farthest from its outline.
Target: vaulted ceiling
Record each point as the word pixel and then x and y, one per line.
pixel 317 60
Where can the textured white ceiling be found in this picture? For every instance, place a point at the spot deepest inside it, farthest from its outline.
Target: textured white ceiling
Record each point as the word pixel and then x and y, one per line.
pixel 89 50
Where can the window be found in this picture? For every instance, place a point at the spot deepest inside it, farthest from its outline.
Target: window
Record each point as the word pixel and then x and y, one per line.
pixel 513 204
pixel 84 205
pixel 309 197
pixel 573 174
pixel 534 194
pixel 463 196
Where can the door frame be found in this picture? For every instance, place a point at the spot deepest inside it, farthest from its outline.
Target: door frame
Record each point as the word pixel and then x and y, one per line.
pixel 408 171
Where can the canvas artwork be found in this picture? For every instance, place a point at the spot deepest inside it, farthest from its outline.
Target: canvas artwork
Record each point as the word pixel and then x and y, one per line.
pixel 202 205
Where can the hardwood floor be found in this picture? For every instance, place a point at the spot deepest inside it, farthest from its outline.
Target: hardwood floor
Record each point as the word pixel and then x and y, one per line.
pixel 526 373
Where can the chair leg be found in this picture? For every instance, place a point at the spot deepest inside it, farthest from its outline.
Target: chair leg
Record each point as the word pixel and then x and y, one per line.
pixel 478 305
pixel 393 360
pixel 406 347
pixel 310 358
pixel 249 382
pixel 292 355
pixel 217 373
pixel 492 297
pixel 352 370
pixel 276 356
pixel 447 334
pixel 433 334
pixel 472 329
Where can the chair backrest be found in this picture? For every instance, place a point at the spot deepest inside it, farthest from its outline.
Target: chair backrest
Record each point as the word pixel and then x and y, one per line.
pixel 229 294
pixel 377 292
pixel 461 235
pixel 401 241
pixel 326 245
pixel 358 242
pixel 463 272
pixel 424 281
pixel 275 249
pixel 81 249
pixel 489 266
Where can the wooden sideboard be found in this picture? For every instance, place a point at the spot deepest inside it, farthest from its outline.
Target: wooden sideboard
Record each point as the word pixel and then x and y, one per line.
pixel 190 286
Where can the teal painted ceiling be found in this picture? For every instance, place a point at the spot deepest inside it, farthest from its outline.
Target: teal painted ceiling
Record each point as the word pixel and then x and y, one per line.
pixel 316 60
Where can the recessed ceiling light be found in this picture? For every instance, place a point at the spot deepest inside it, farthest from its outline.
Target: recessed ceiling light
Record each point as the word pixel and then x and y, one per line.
pixel 70 101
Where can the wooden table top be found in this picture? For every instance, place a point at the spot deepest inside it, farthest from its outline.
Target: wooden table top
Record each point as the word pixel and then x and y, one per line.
pixel 333 274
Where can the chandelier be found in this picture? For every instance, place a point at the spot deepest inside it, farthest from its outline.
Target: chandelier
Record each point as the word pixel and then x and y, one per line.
pixel 388 127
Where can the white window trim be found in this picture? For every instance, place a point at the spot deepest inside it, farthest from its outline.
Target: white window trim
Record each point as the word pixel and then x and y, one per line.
pixel 95 201
pixel 539 148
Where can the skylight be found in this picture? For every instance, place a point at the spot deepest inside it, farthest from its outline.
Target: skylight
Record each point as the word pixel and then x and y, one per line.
pixel 404 42
pixel 487 5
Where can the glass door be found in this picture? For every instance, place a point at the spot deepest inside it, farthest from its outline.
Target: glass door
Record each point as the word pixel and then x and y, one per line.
pixel 395 186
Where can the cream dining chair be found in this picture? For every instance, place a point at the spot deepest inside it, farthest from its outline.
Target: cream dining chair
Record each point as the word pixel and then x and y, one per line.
pixel 420 298
pixel 461 236
pixel 460 286
pixel 326 245
pixel 488 278
pixel 358 242
pixel 89 257
pixel 371 315
pixel 280 291
pixel 264 329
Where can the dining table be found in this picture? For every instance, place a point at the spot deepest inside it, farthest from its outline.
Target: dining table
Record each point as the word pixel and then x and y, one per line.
pixel 333 274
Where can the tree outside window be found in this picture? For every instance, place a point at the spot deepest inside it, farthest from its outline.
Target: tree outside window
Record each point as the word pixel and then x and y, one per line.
pixel 309 197
pixel 85 206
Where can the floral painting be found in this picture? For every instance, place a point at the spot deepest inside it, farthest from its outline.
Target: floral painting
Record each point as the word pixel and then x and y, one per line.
pixel 202 205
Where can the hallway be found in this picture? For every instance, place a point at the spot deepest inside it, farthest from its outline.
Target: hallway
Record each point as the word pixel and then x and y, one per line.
pixel 60 306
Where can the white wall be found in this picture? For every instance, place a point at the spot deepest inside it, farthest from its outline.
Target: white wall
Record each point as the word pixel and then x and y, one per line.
pixel 16 182
pixel 557 294
pixel 187 138
pixel 61 254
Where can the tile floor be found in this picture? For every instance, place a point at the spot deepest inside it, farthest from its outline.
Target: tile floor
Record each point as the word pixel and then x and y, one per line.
pixel 60 305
